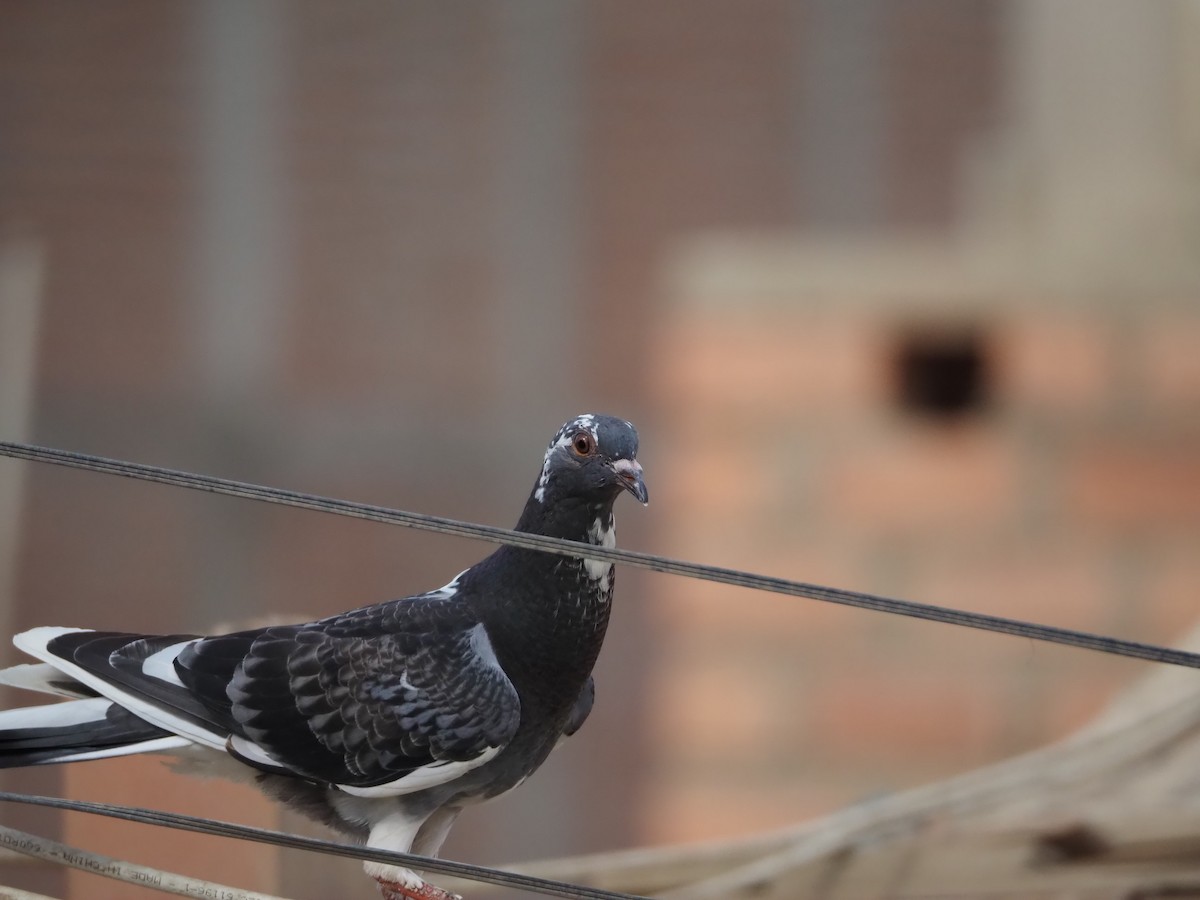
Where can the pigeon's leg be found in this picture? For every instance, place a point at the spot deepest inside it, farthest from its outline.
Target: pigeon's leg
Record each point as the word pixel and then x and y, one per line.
pixel 399 830
pixel 428 840
pixel 433 831
pixel 413 888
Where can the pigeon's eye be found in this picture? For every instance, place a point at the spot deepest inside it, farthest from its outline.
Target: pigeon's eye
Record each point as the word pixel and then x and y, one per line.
pixel 583 444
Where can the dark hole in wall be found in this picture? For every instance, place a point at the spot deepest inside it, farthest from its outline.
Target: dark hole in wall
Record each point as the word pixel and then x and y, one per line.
pixel 942 374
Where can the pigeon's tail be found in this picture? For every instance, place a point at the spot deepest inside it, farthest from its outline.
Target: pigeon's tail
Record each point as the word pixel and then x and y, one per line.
pixel 95 728
pixel 44 679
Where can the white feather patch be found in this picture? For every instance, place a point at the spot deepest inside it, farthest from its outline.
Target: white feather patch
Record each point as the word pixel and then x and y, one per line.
pixel 599 569
pixel 482 645
pixel 446 591
pixel 253 753
pixel 424 777
pixel 161 664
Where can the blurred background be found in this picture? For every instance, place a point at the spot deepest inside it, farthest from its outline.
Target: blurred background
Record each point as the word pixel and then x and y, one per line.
pixel 903 298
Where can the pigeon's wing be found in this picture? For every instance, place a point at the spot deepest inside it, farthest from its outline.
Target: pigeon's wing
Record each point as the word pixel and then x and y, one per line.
pixel 355 703
pixel 384 700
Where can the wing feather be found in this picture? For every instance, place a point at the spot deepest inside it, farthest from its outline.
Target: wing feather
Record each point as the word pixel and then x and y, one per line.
pixel 367 700
pixel 380 700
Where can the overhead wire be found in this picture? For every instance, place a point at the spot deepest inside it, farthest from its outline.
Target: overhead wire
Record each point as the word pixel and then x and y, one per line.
pixel 218 828
pixel 493 534
pixel 653 562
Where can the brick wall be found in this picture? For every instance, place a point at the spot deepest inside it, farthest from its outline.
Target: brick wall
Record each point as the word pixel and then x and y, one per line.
pixel 339 279
pixel 1070 496
pixel 444 268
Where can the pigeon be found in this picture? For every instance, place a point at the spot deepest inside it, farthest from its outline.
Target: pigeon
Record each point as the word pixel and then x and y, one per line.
pixel 383 722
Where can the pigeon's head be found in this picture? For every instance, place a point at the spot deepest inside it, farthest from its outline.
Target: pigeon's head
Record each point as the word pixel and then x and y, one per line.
pixel 592 456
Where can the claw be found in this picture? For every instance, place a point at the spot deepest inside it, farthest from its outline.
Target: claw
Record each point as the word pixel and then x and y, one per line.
pixel 396 890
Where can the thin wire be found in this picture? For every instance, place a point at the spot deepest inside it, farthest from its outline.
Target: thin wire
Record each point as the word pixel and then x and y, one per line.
pixel 118 869
pixel 317 845
pixel 949 616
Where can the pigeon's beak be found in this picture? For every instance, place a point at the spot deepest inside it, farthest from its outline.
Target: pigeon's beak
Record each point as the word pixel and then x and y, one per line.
pixel 629 476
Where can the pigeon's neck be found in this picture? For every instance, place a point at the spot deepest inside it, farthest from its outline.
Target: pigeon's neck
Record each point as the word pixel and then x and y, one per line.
pixel 571 519
pixel 548 627
pixel 587 522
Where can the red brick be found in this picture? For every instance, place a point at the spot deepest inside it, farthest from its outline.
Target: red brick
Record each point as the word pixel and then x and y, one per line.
pixel 1057 586
pixel 942 479
pixel 699 607
pixel 689 605
pixel 1071 702
pixel 713 807
pixel 956 653
pixel 1171 605
pixel 1170 362
pixel 720 479
pixel 722 707
pixel 1050 363
pixel 1145 487
pixel 884 713
pixel 758 366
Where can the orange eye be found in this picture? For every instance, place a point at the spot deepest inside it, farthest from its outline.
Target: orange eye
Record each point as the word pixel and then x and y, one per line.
pixel 583 444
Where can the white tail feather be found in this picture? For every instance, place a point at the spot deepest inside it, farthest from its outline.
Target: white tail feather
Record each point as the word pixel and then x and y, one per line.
pixel 40 677
pixel 55 715
pixel 75 713
pixel 34 640
pixel 154 745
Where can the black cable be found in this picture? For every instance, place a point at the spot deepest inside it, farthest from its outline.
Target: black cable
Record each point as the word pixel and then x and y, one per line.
pixel 317 845
pixel 982 621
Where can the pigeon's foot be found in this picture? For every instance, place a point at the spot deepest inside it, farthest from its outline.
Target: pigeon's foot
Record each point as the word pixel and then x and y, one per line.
pixel 413 890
